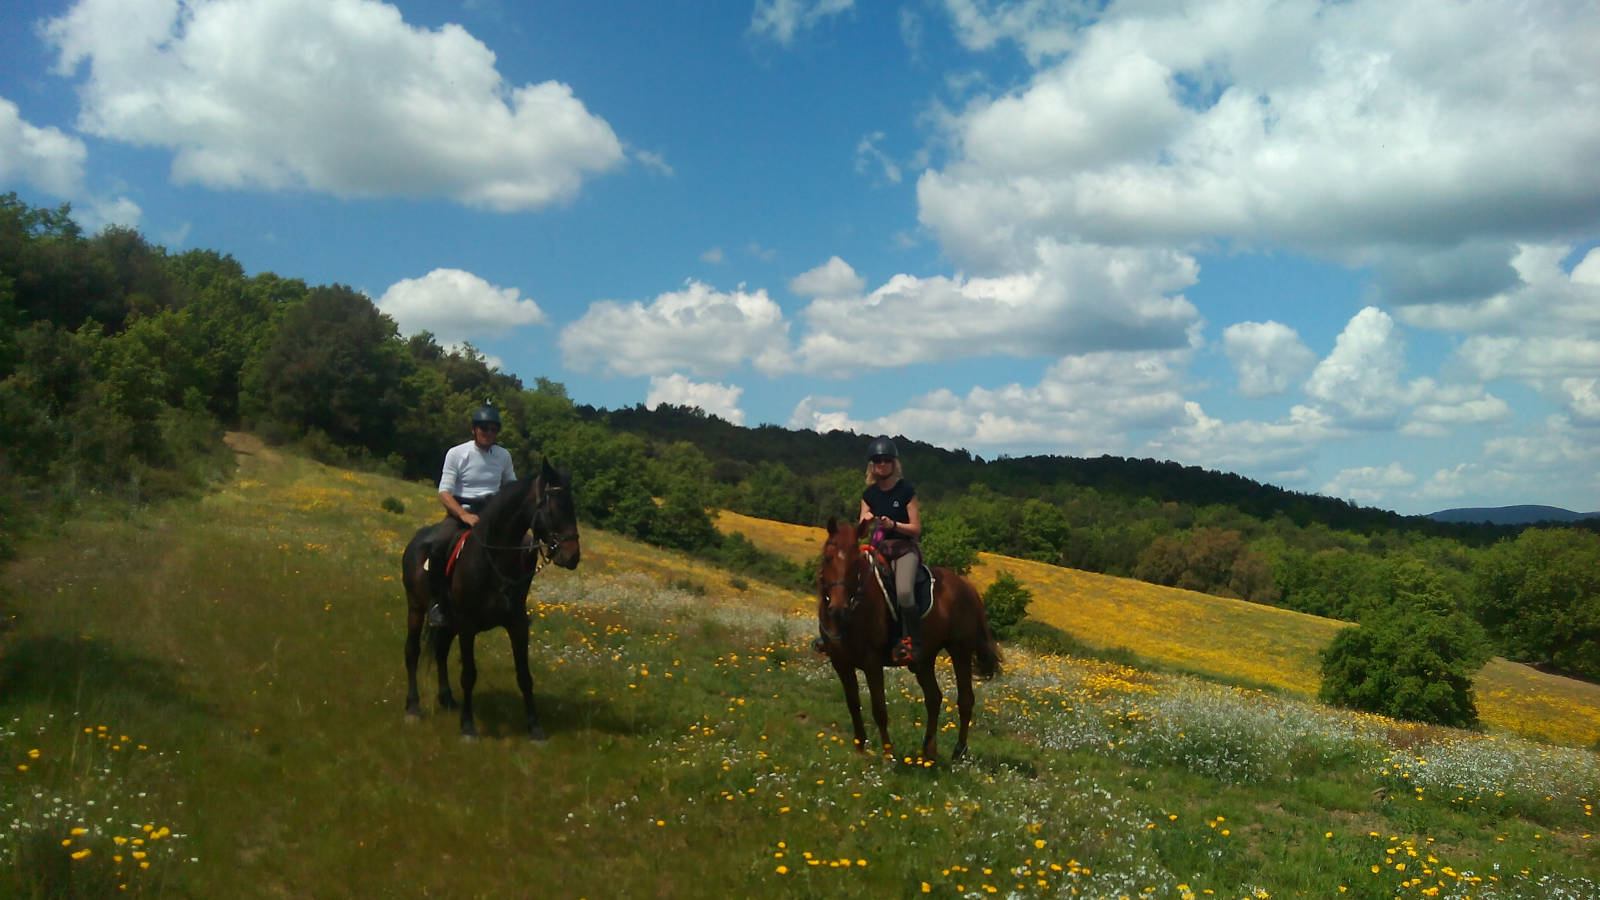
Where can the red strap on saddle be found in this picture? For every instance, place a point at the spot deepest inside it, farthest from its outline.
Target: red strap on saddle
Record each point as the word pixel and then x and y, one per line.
pixel 450 564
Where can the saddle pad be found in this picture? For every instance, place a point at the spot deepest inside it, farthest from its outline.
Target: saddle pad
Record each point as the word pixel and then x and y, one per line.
pixel 924 590
pixel 455 551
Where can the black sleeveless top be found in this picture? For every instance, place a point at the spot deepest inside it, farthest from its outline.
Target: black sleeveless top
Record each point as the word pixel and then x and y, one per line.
pixel 891 503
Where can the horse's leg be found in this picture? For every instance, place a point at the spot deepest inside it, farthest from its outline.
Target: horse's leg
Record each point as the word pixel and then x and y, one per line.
pixel 519 656
pixel 852 699
pixel 880 707
pixel 932 697
pixel 441 638
pixel 961 660
pixel 413 651
pixel 469 677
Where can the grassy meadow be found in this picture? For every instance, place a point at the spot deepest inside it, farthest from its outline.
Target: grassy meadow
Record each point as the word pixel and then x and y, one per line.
pixel 206 700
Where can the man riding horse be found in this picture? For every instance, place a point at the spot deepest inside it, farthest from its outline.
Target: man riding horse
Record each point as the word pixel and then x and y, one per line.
pixel 473 472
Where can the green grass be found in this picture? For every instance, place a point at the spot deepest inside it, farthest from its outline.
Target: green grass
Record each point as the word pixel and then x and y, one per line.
pixel 228 673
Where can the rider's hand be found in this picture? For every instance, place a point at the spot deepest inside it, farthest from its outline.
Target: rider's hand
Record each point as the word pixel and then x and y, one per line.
pixel 886 523
pixel 470 519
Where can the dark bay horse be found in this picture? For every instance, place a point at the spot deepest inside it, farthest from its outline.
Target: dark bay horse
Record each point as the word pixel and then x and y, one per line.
pixel 854 615
pixel 489 585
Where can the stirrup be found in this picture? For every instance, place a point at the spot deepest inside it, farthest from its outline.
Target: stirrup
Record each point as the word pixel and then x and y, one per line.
pixel 436 617
pixel 904 653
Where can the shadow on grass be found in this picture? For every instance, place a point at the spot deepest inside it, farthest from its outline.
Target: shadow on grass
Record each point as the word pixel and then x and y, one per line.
pixel 498 714
pixel 63 673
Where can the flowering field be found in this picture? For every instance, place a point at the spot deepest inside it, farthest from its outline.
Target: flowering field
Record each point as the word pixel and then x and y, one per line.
pixel 1231 639
pixel 206 701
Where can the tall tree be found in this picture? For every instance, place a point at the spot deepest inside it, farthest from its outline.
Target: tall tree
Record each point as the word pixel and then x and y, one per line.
pixel 335 365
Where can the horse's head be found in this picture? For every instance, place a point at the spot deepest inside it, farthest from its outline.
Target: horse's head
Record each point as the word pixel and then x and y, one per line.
pixel 555 516
pixel 839 579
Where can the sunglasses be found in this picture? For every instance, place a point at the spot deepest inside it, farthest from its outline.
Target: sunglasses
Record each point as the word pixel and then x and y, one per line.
pixel 882 459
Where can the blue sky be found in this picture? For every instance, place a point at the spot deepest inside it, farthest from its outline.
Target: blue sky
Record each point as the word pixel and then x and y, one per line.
pixel 1346 248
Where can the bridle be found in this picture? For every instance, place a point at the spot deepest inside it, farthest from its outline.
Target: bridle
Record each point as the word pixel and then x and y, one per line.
pixel 850 607
pixel 870 558
pixel 543 549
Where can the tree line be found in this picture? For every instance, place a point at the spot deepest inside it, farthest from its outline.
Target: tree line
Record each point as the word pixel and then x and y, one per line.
pixel 121 364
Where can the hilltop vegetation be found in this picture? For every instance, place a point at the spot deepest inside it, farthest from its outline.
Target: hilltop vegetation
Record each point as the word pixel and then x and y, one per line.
pixel 205 700
pixel 127 362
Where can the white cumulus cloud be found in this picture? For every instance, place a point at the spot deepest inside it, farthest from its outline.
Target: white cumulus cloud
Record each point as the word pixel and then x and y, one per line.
pixel 1268 357
pixel 833 278
pixel 47 158
pixel 335 96
pixel 720 400
pixel 1350 130
pixel 1076 298
pixel 699 330
pixel 457 305
pixel 1369 484
pixel 1083 405
pixel 1361 377
pixel 1289 443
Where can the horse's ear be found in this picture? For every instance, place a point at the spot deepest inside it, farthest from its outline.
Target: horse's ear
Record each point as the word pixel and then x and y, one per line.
pixel 833 524
pixel 546 470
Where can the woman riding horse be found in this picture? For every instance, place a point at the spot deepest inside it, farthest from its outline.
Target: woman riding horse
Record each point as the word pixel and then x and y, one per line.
pixel 857 620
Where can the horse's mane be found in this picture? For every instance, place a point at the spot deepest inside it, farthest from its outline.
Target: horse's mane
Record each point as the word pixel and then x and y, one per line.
pixel 507 499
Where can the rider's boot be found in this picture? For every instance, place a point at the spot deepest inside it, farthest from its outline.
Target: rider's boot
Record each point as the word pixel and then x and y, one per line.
pixel 909 650
pixel 439 587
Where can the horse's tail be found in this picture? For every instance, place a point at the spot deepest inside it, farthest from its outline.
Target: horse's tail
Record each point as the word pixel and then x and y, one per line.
pixel 988 654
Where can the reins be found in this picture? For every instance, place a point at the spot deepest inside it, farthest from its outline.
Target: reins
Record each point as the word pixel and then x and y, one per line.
pixel 874 560
pixel 544 550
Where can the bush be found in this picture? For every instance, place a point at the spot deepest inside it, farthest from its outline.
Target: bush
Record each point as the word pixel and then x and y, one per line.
pixel 1413 663
pixel 1007 602
pixel 393 504
pixel 950 542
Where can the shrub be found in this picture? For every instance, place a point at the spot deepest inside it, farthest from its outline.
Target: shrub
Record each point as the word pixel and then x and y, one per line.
pixel 393 504
pixel 1007 602
pixel 950 542
pixel 1412 663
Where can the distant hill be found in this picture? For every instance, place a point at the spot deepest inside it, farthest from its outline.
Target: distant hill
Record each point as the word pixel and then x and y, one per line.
pixel 1510 515
pixel 735 450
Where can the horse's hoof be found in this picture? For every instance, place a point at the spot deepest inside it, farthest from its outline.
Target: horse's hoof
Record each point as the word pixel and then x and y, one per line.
pixel 413 717
pixel 469 737
pixel 537 736
pixel 448 703
pixel 960 752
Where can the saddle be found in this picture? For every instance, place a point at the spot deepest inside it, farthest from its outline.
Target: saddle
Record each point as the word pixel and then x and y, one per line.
pixel 922 591
pixel 450 558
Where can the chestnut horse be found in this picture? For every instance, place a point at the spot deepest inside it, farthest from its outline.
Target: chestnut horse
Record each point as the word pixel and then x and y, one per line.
pixel 489 585
pixel 853 614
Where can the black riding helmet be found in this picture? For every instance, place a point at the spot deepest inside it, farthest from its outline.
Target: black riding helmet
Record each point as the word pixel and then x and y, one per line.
pixel 486 415
pixel 882 446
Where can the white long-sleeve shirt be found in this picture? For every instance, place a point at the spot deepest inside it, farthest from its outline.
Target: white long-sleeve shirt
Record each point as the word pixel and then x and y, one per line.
pixel 471 473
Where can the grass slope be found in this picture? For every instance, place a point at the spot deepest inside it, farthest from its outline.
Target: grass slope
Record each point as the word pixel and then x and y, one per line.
pixel 206 701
